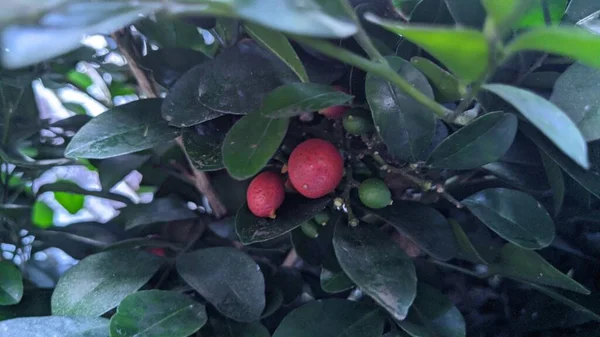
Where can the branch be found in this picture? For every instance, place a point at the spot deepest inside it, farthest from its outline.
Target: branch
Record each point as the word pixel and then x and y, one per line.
pixel 124 41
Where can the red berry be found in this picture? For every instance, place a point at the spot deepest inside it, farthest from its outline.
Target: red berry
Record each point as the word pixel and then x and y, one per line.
pixel 157 251
pixel 315 168
pixel 337 111
pixel 265 194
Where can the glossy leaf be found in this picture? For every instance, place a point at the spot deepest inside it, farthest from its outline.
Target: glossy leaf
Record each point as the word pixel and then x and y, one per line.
pixel 335 281
pixel 228 279
pixel 483 141
pixel 121 130
pixel 529 266
pixel 423 225
pixel 99 282
pixel 332 318
pixel 433 315
pixel 171 208
pixel 69 187
pixel 228 328
pixel 376 264
pixel 556 180
pixel 57 326
pixel 469 62
pixel 170 32
pixel 466 250
pixel 11 283
pixel 405 125
pixel 501 11
pixel 467 12
pixel 514 215
pixel 235 82
pixel 279 45
pixel 575 93
pixel 296 98
pixel 576 43
pixel 204 150
pixel 548 118
pixel 585 305
pixel 318 251
pixel 169 64
pixel 447 87
pixel 293 212
pixel 157 313
pixel 111 171
pixel 251 143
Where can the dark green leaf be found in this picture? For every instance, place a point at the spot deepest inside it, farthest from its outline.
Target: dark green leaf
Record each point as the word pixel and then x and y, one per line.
pixel 467 12
pixel 526 265
pixel 483 141
pixel 332 318
pixel 423 225
pixel 574 42
pixel 14 212
pixel 170 208
pixel 293 212
pixel 274 301
pixel 503 11
pixel 447 87
pixel 405 125
pixel 170 32
pixel 35 302
pixel 111 171
pixel 377 265
pixel 78 240
pixel 279 45
pixel 469 62
pixel 121 130
pixel 433 315
pixel 514 215
pixel 169 64
pixel 42 216
pixel 235 82
pixel 296 98
pixel 204 150
pixel 335 282
pixel 228 328
pixel 66 186
pixel 547 118
pixel 55 326
pixel 585 305
pixel 556 180
pixel 466 250
pixel 251 143
pixel 157 313
pixel 99 282
pixel 228 279
pixel 575 93
pixel 11 283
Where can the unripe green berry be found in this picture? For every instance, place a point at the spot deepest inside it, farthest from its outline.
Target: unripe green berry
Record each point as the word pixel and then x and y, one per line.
pixel 358 121
pixel 322 218
pixel 310 229
pixel 374 193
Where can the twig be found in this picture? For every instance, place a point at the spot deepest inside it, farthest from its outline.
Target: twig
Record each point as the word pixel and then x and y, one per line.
pixel 290 259
pixel 124 41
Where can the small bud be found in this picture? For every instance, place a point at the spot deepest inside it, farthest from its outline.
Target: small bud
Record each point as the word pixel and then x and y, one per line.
pixel 353 222
pixel 338 202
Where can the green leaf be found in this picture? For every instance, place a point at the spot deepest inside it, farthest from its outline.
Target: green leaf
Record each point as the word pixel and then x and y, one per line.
pixel 483 141
pixel 501 11
pixel 170 32
pixel 296 98
pixel 514 215
pixel 55 326
pixel 574 42
pixel 274 301
pixel 575 93
pixel 251 143
pixel 580 9
pixel 171 208
pixel 11 283
pixel 277 43
pixel 293 212
pixel 121 130
pixel 235 82
pixel 99 282
pixel 228 328
pixel 547 118
pixel 14 211
pixel 42 216
pixel 67 186
pixel 589 179
pixel 35 302
pixel 318 251
pixel 377 265
pixel 228 279
pixel 466 250
pixel 585 305
pixel 204 150
pixel 72 202
pixel 467 12
pixel 157 313
pixel 169 64
pixel 423 225
pixel 335 282
pixel 469 62
pixel 332 318
pixel 76 108
pixel 433 315
pixel 556 180
pixel 70 21
pixel 406 126
pixel 526 265
pixel 446 87
pixel 78 240
pixel 112 170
